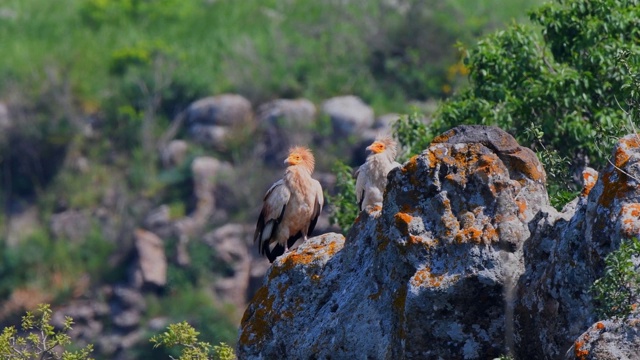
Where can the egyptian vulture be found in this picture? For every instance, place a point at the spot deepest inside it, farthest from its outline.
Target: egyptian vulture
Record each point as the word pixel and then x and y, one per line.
pixel 291 206
pixel 371 177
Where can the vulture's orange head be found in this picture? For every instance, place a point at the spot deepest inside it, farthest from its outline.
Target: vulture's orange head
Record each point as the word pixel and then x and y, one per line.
pixel 383 144
pixel 300 155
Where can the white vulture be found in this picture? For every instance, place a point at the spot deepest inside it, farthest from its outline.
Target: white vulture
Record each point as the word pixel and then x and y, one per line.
pixel 291 206
pixel 371 177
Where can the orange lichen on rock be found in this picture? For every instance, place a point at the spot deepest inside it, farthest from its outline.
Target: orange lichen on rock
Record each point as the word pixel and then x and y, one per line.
pixel 402 222
pixel 589 179
pixel 411 165
pixel 615 185
pixel 486 167
pixel 489 234
pixel 526 162
pixel 256 326
pixel 622 155
pixel 630 215
pixel 600 326
pixel 375 208
pixel 443 138
pixel 522 207
pixel 414 240
pixel 449 221
pixel 471 234
pixel 579 352
pixel 424 277
pixel 304 256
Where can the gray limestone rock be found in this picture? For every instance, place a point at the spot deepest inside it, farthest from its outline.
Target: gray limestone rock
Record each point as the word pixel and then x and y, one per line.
pixel 223 110
pixel 152 262
pixel 424 277
pixel 349 115
pixel 566 252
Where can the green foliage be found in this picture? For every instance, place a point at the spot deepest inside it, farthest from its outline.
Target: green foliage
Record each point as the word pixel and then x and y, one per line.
pixel 223 352
pixel 41 340
pixel 616 292
pixel 39 257
pixel 565 82
pixel 344 208
pixel 412 134
pixel 560 187
pixel 386 53
pixel 184 335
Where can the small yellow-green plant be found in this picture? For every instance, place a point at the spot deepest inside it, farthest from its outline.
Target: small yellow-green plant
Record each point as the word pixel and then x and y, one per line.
pixel 40 340
pixel 183 334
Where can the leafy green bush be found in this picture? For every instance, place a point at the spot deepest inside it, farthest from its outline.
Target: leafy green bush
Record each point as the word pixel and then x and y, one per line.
pixel 39 257
pixel 413 135
pixel 567 82
pixel 41 340
pixel 344 208
pixel 617 292
pixel 184 335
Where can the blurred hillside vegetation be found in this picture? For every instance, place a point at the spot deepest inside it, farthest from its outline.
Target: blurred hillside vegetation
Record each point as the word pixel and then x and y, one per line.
pixel 93 86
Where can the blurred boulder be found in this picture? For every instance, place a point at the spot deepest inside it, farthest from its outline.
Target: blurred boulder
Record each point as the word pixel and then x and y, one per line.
pixel 151 268
pixel 210 120
pixel 206 171
pixel 88 319
pixel 175 153
pixel 214 136
pixel 286 113
pixel 224 110
pixel 5 119
pixel 384 124
pixel 285 123
pixel 158 221
pixel 233 247
pixel 70 225
pixel 349 115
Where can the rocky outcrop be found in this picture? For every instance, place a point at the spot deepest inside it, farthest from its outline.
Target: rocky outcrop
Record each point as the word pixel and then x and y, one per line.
pixel 175 153
pixel 566 252
pixel 423 277
pixel 243 267
pixel 222 110
pixel 349 115
pixel 210 120
pixel 151 267
pixel 5 119
pixel 285 123
pixel 465 260
pixel 607 340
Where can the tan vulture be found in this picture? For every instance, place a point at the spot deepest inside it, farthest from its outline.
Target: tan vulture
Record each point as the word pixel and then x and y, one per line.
pixel 291 206
pixel 371 177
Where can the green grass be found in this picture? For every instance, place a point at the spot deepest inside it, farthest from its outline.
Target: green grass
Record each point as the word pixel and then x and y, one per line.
pixel 263 49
